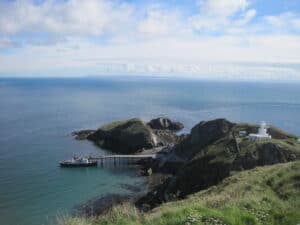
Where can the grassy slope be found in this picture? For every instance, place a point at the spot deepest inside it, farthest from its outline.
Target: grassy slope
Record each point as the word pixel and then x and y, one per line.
pixel 133 126
pixel 265 195
pixel 223 150
pixel 114 124
pixel 289 144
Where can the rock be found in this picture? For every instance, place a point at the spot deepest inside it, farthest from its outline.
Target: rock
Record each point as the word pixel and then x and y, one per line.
pixel 127 136
pixel 163 123
pixel 203 134
pixel 265 154
pixel 166 137
pixel 206 132
pixel 83 134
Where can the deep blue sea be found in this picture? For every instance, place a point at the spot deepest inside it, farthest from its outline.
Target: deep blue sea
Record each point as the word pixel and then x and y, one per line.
pixel 37 117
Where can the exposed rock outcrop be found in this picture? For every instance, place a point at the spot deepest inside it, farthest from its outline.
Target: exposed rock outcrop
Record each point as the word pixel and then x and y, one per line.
pixel 163 123
pixel 203 134
pixel 83 134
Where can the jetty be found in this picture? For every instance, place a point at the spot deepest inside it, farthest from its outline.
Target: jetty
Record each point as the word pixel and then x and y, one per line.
pixel 121 159
pixel 142 156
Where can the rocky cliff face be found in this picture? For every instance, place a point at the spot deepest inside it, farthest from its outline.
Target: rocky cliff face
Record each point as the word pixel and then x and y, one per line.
pixel 163 123
pixel 212 152
pixel 203 134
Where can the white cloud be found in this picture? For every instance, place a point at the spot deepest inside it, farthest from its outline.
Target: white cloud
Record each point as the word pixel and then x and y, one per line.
pixel 223 8
pixel 158 22
pixel 147 40
pixel 205 57
pixel 287 20
pixel 222 16
pixel 66 17
pixel 247 17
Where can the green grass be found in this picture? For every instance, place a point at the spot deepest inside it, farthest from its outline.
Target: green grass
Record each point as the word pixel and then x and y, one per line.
pixel 112 125
pixel 247 146
pixel 224 149
pixel 262 196
pixel 131 126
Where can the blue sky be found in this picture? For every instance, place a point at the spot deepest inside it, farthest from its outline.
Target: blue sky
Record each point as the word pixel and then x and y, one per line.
pixel 230 39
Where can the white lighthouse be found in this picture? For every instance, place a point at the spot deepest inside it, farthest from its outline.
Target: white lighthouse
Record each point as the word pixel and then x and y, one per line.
pixel 262 133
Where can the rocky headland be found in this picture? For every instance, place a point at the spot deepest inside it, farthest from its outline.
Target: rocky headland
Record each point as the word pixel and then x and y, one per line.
pixel 133 135
pixel 212 151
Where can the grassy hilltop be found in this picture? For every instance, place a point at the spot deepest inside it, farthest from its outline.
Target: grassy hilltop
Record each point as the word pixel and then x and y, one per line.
pixel 264 195
pixel 212 152
pixel 132 135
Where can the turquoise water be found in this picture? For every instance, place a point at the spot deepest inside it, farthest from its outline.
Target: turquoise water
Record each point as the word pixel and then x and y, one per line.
pixel 38 115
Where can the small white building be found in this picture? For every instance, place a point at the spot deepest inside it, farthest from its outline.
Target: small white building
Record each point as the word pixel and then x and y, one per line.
pixel 262 133
pixel 298 141
pixel 242 133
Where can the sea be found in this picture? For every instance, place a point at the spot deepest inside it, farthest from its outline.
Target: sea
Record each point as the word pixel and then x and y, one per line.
pixel 38 115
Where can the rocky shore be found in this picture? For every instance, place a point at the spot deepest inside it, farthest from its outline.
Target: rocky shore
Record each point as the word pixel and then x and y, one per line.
pixel 212 151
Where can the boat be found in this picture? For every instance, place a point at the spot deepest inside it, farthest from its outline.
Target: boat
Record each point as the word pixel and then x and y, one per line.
pixel 78 162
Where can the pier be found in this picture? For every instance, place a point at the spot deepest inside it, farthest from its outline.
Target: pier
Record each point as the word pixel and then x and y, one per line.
pixel 117 159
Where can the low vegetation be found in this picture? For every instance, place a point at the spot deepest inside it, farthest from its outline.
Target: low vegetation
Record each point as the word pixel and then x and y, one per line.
pixel 261 196
pixel 113 125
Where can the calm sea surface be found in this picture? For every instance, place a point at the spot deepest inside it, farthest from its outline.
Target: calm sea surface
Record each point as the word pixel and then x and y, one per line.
pixel 38 115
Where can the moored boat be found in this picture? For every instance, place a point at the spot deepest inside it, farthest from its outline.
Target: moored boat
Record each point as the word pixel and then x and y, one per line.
pixel 78 162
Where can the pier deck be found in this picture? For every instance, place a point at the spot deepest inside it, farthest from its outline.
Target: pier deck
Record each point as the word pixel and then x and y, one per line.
pixel 124 156
pixel 122 159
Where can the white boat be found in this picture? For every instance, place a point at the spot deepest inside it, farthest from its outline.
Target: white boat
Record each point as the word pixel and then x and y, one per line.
pixel 78 162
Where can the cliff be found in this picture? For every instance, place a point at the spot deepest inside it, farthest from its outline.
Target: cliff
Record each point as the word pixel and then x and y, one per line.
pixel 212 152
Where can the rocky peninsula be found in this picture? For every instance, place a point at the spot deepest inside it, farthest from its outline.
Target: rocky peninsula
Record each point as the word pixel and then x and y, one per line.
pixel 211 152
pixel 133 135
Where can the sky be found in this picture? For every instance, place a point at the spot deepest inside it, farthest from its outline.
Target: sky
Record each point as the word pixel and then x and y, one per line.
pixel 209 39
